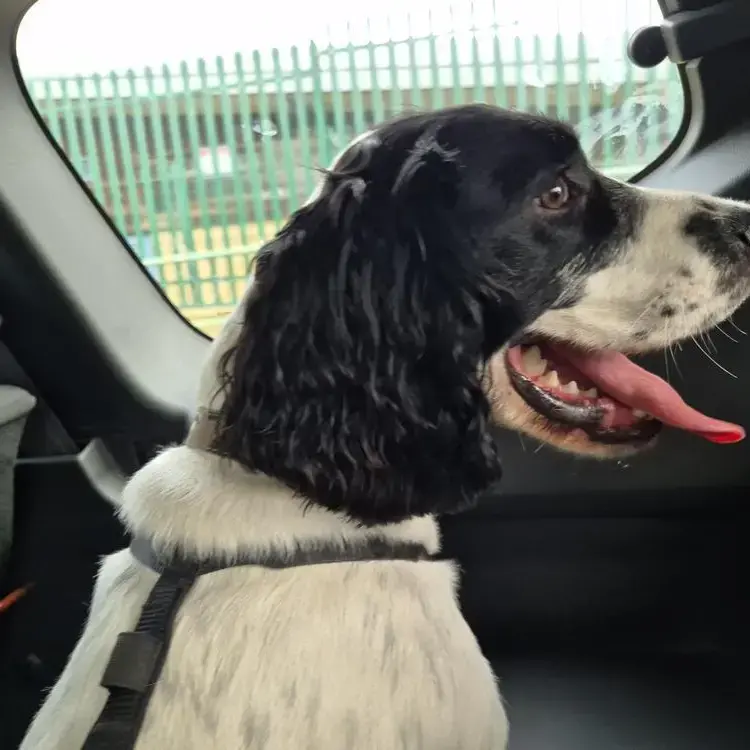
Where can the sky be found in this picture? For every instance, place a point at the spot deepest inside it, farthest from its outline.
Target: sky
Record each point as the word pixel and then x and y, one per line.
pixel 81 37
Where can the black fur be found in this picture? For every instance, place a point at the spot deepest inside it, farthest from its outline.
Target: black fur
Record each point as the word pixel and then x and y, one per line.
pixel 357 378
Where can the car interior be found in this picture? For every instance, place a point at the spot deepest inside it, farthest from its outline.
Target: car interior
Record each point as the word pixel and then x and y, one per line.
pixel 609 597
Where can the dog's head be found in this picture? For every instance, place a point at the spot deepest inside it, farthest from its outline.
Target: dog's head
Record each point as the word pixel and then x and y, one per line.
pixel 461 268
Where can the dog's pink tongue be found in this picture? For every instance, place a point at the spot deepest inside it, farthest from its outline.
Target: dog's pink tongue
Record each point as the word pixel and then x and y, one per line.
pixel 637 388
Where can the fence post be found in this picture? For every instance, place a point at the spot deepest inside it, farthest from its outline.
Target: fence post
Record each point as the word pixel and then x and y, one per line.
pixel 458 89
pixel 520 60
pixel 476 60
pixel 282 110
pixel 395 98
pixel 230 138
pixel 248 143
pixel 416 87
pixel 355 94
pixel 110 159
pixel 376 95
pixel 561 100
pixel 340 137
pixel 321 121
pixel 436 99
pixel 91 147
pixel 501 90
pixel 584 110
pixel 178 179
pixel 540 91
pixel 212 141
pixel 267 145
pixel 53 119
pixel 73 145
pixel 166 204
pixel 126 163
pixel 144 165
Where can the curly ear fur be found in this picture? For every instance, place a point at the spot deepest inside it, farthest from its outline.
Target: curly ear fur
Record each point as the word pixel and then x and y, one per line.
pixel 357 378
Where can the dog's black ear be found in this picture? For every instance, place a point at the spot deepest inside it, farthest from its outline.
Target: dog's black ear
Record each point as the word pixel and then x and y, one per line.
pixel 357 377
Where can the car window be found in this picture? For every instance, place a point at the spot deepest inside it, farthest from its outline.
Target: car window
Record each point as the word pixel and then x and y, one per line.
pixel 199 128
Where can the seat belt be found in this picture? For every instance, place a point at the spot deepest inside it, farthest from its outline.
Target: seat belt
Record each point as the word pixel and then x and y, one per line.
pixel 15 405
pixel 138 656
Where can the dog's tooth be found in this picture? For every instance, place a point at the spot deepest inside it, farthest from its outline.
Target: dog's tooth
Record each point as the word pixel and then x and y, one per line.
pixel 571 388
pixel 638 414
pixel 551 379
pixel 533 362
pixel 590 393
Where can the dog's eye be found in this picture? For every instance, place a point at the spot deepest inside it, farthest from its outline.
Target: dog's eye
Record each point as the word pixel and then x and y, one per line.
pixel 557 197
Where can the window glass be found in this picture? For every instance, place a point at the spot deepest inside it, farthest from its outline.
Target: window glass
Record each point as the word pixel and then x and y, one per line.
pixel 199 127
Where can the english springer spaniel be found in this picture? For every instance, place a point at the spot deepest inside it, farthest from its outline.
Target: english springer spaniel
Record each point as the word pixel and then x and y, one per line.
pixel 455 270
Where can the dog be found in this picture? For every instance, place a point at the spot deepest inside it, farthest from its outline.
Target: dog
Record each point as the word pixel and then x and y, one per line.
pixel 456 270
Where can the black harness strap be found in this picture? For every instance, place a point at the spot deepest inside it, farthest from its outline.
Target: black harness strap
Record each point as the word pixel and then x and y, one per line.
pixel 138 656
pixel 135 666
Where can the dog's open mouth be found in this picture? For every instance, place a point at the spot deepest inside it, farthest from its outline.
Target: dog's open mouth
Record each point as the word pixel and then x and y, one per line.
pixel 605 394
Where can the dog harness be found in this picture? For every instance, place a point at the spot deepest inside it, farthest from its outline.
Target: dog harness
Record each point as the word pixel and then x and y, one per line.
pixel 138 656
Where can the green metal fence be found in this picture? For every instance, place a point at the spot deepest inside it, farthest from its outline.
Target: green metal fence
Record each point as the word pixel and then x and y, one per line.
pixel 199 164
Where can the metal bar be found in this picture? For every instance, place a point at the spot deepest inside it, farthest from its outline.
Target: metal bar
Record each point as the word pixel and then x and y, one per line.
pixel 358 108
pixel 247 146
pixel 376 93
pixel 267 144
pixel 229 132
pixel 395 97
pixel 436 91
pixel 144 167
pixel 303 125
pixel 124 147
pixel 179 179
pixel 285 131
pixel 110 159
pixel 90 144
pixel 325 156
pixel 212 141
pixel 72 142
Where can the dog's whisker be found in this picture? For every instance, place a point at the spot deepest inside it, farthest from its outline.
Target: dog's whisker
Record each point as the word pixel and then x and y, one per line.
pixel 668 354
pixel 673 354
pixel 709 342
pixel 723 332
pixel 647 308
pixel 676 363
pixel 701 336
pixel 735 326
pixel 710 358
